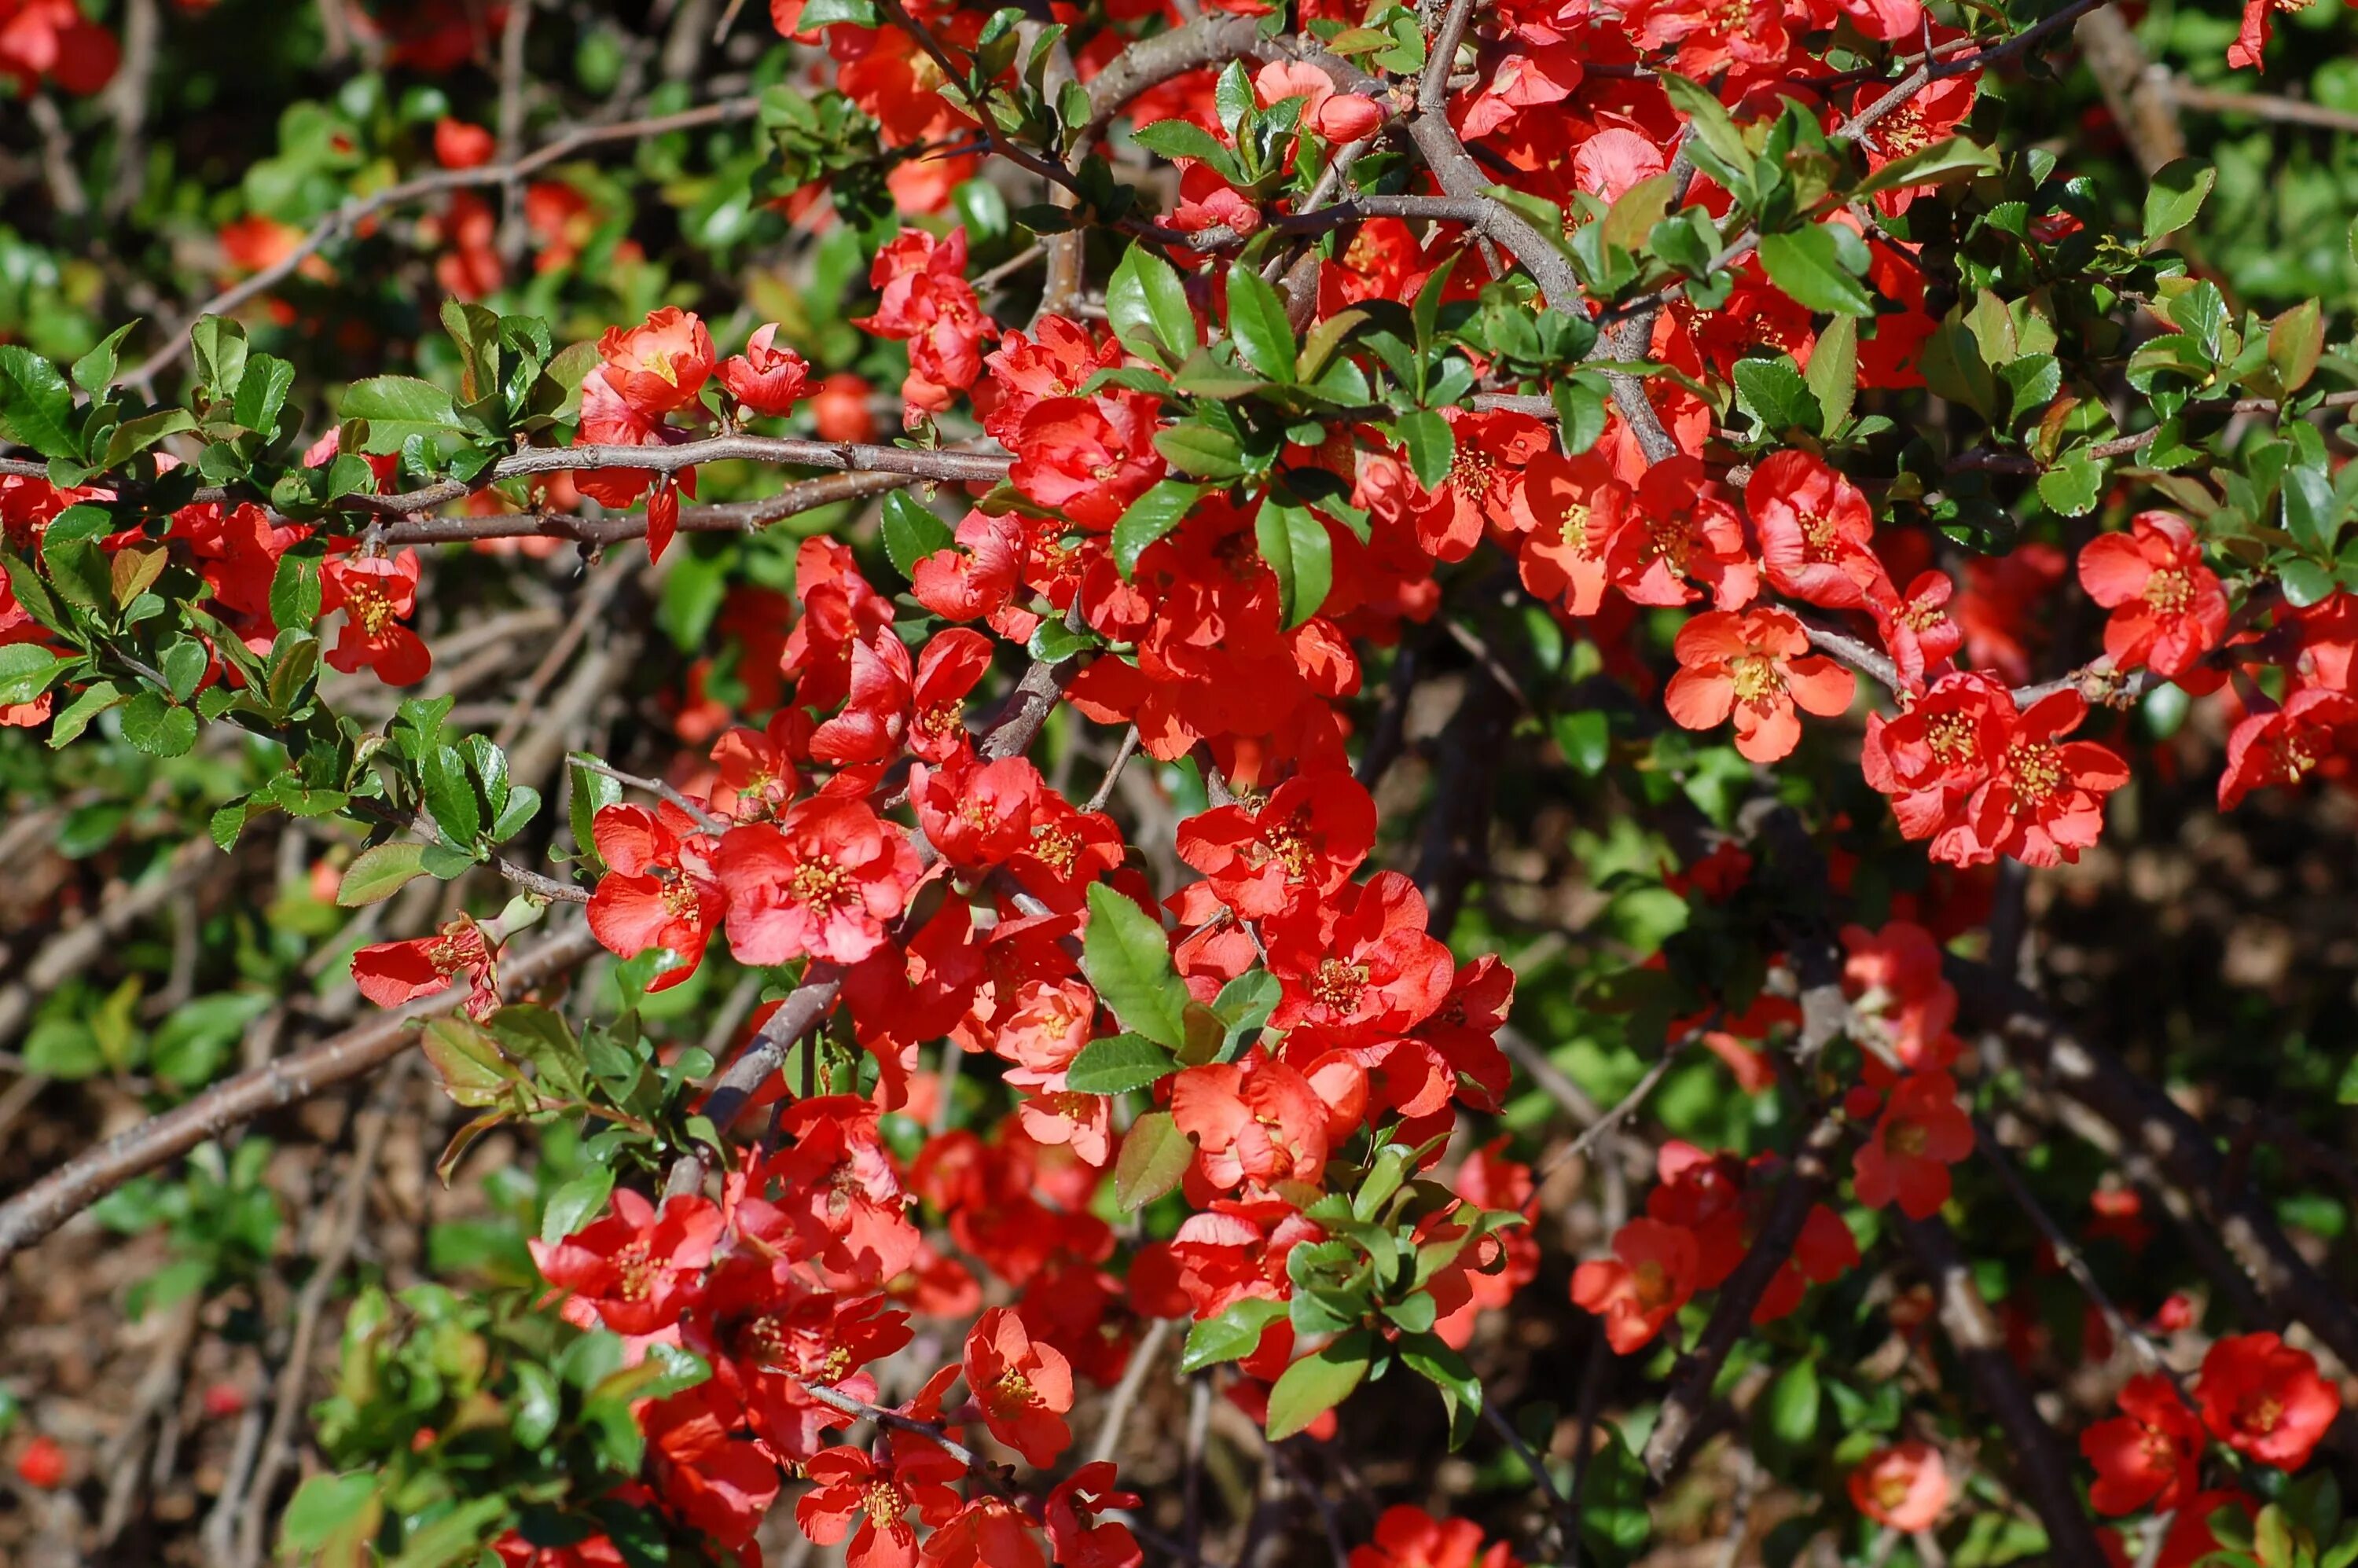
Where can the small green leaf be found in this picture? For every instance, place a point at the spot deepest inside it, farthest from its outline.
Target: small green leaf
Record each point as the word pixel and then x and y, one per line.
pixel 2312 514
pixel 1792 1403
pixel 912 533
pixel 1117 1064
pixel 26 671
pixel 467 1061
pixel 1257 322
pixel 36 403
pixel 2304 582
pixel 379 871
pixel 95 371
pixel 1955 158
pixel 1155 1155
pixel 1163 506
pixel 2071 487
pixel 575 1204
pixel 2174 193
pixel 158 728
pixel 397 407
pixel 1317 1383
pixel 1234 1334
pixel 1807 264
pixel 1432 446
pixel 1147 304
pixel 1195 447
pixel 1127 957
pixel 591 792
pixel 450 796
pixel 1298 549
pixel 327 1507
pixel 1833 375
pixel 1774 393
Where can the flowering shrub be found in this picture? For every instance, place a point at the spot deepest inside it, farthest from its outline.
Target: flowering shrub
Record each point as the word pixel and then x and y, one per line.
pixel 1018 721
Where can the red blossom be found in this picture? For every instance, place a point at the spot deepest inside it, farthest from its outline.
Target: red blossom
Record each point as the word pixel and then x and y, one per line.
pixel 376 595
pixel 1904 1487
pixel 2264 1399
pixel 2149 1456
pixel 1920 1133
pixel 1651 1274
pixel 765 379
pixel 635 1267
pixel 2169 609
pixel 1757 666
pixel 822 882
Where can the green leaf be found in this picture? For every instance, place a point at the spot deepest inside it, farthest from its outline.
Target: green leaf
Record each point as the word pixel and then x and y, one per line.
pixel 2346 1092
pixel 1155 1155
pixel 1298 549
pixel 450 796
pixel 95 371
pixel 2312 514
pixel 218 345
pixel 543 1038
pixel 1432 446
pixel 1807 264
pixel 1257 323
pixel 1708 122
pixel 1955 158
pixel 1833 375
pixel 1235 1334
pixel 576 1203
pixel 1147 304
pixel 1195 447
pixel 1117 1064
pixel 1183 138
pixel 379 871
pixel 2071 488
pixel 1773 393
pixel 397 407
pixel 1431 1359
pixel 1317 1383
pixel 2305 582
pixel 1792 1404
pixel 456 1536
pixel 156 727
pixel 2174 193
pixel 36 403
pixel 467 1061
pixel 88 704
pixel 26 671
pixel 912 533
pixel 326 1507
pixel 1579 411
pixel 294 591
pixel 262 395
pixel 1127 957
pixel 1163 506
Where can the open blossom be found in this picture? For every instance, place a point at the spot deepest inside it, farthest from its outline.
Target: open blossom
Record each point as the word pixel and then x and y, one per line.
pixel 1087 458
pixel 375 594
pixel 657 890
pixel 1905 1160
pixel 2149 1456
pixel 659 365
pixel 2045 802
pixel 1817 532
pixel 2264 1399
pixel 1255 1119
pixel 1408 1537
pixel 1023 1385
pixel 1359 963
pixel 2169 609
pixel 765 379
pixel 635 1267
pixel 885 1500
pixel 391 973
pixel 1650 1275
pixel 2284 745
pixel 1081 1539
pixel 1572 507
pixel 1337 116
pixel 822 882
pixel 1307 839
pixel 1757 666
pixel 1904 1487
pixel 1916 630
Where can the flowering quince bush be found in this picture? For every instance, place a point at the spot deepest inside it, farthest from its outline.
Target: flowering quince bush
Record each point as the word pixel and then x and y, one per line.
pixel 1124 766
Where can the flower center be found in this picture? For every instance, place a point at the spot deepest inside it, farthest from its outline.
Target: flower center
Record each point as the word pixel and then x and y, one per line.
pixel 882 1503
pixel 2037 771
pixel 634 1272
pixel 821 885
pixel 1056 849
pixel 2170 591
pixel 366 603
pixel 1339 985
pixel 1757 682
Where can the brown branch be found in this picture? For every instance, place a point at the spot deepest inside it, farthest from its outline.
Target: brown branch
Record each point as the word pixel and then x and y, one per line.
pixel 348 217
pixel 89 1176
pixel 2043 1466
pixel 1810 1178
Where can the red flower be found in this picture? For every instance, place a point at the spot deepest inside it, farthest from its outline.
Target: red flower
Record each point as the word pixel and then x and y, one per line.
pixel 1026 372
pixel 1904 1486
pixel 847 1484
pixel 393 973
pixel 1408 1537
pixel 457 144
pixel 2281 746
pixel 977 815
pixel 1023 1386
pixel 765 380
pixel 988 1533
pixel 1650 1275
pixel 1255 1119
pixel 1920 1135
pixel 609 420
pixel 1087 458
pixel 42 1463
pixel 374 593
pixel 978 576
pixel 660 366
pixel 2264 1399
pixel 1945 747
pixel 1757 666
pixel 637 1268
pixel 927 300
pixel 53 38
pixel 2045 803
pixel 1682 532
pixel 2169 609
pixel 1916 627
pixel 1572 507
pixel 1076 1539
pixel 655 893
pixel 1817 532
pixel 1304 841
pixel 822 882
pixel 2150 1455
pixel 1358 964
pixel 839 1198
pixel 949 667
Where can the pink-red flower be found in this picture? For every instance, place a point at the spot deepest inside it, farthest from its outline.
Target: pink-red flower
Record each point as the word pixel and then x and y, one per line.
pixel 765 379
pixel 1023 1385
pixel 2169 609
pixel 635 1266
pixel 2264 1399
pixel 2149 1456
pixel 1920 1133
pixel 1904 1486
pixel 1650 1275
pixel 376 595
pixel 822 882
pixel 1757 665
pixel 659 365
